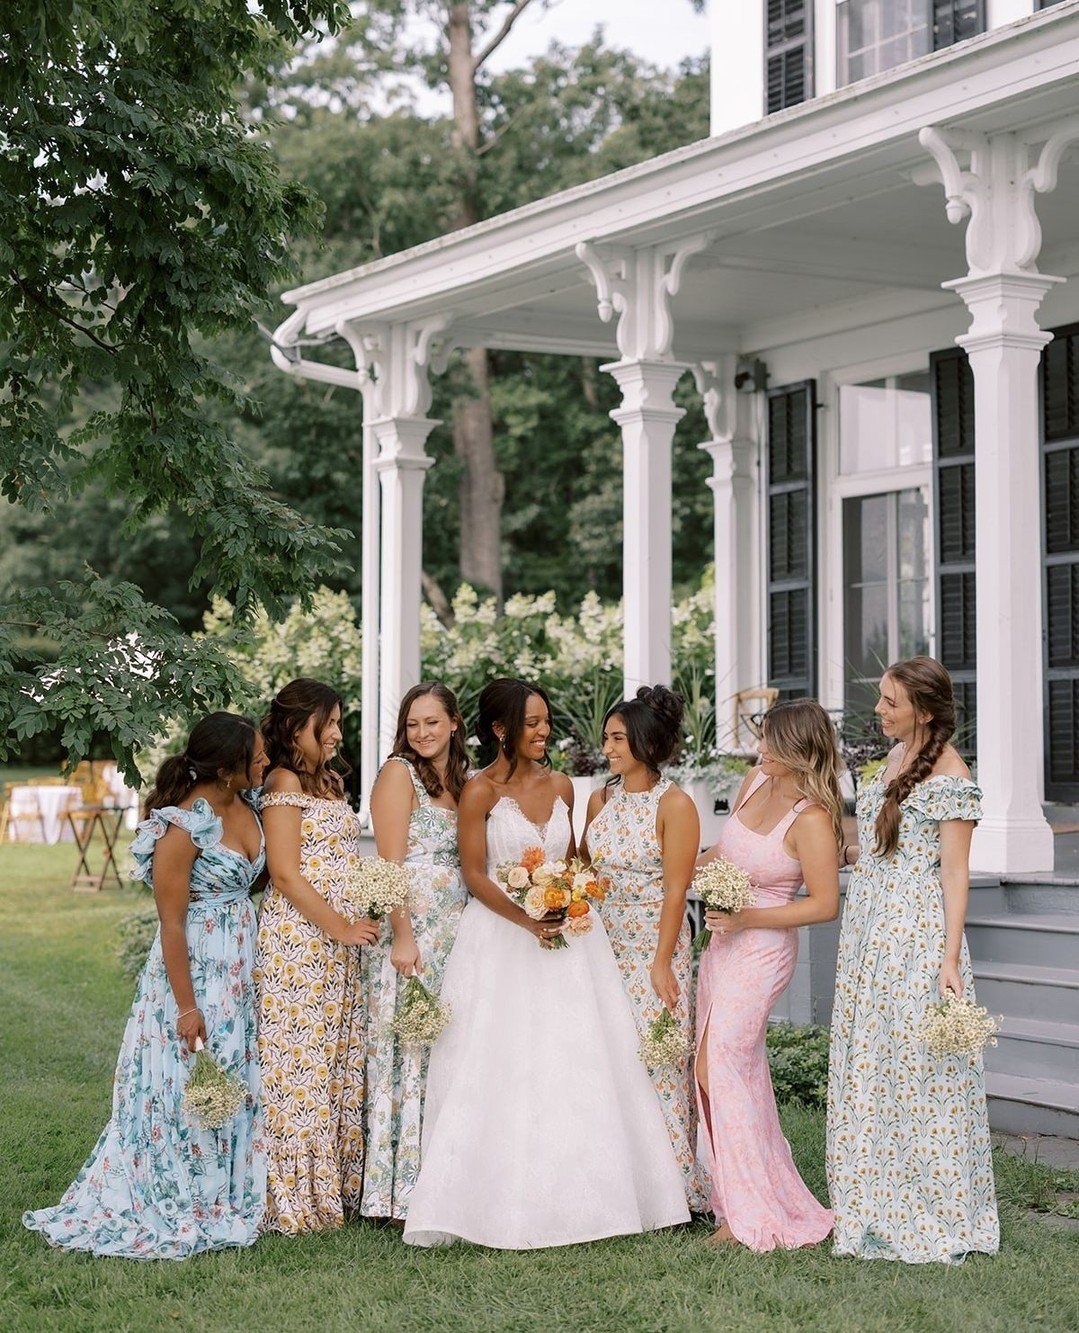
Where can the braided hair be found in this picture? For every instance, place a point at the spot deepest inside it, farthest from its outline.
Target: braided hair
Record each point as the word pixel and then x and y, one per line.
pixel 929 688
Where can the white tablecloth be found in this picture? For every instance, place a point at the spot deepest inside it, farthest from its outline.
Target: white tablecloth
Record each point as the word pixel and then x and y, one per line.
pixel 52 802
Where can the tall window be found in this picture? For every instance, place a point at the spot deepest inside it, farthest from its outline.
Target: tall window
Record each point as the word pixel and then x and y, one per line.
pixel 875 35
pixel 788 54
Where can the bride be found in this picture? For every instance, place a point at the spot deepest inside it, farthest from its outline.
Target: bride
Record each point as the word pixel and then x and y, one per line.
pixel 541 1125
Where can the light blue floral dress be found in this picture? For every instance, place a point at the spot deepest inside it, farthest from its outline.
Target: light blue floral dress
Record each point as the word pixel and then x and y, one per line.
pixel 910 1168
pixel 397 1074
pixel 157 1186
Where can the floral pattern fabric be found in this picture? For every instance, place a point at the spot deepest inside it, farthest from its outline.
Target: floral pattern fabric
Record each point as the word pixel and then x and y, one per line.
pixel 157 1186
pixel 397 1074
pixel 312 1033
pixel 623 845
pixel 909 1163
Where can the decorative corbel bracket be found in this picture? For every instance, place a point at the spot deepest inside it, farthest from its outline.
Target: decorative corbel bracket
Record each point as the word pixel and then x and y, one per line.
pixel 396 361
pixel 637 284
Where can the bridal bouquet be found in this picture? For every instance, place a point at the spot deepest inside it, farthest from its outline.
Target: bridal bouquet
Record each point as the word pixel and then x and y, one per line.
pixel 957 1027
pixel 539 887
pixel 665 1043
pixel 420 1017
pixel 376 887
pixel 212 1097
pixel 722 887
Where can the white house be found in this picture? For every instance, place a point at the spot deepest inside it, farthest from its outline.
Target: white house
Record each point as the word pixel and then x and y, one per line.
pixel 864 268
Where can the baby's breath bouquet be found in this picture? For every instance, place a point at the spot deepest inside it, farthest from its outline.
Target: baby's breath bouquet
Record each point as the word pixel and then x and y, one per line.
pixel 420 1016
pixel 722 887
pixel 665 1043
pixel 376 887
pixel 212 1097
pixel 957 1027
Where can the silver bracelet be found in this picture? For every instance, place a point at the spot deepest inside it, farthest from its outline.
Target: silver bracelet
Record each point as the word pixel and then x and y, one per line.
pixel 196 1010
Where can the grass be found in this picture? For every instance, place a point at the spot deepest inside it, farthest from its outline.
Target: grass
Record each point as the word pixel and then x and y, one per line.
pixel 63 1003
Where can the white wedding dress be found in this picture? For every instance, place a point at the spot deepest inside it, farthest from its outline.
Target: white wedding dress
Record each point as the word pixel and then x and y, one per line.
pixel 541 1126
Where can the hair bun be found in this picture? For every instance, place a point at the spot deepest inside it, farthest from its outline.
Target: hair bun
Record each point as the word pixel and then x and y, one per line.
pixel 663 701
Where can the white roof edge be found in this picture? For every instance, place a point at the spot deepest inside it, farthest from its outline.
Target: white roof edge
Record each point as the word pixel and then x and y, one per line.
pixel 1040 33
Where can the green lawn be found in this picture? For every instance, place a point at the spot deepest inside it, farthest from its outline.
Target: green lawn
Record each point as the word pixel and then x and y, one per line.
pixel 62 1007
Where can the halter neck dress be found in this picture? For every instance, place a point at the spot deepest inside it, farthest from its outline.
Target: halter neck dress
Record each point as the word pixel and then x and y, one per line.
pixel 756 1187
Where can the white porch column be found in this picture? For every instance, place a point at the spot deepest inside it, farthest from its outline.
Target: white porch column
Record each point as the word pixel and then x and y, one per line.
pixel 647 419
pixel 1003 290
pixel 733 484
pixel 401 465
pixel 1004 346
pixel 638 285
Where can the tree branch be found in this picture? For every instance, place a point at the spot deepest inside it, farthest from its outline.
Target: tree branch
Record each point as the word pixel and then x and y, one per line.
pixel 59 314
pixel 500 36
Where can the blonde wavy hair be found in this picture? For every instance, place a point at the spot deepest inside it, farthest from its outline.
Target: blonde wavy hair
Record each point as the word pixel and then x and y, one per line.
pixel 801 737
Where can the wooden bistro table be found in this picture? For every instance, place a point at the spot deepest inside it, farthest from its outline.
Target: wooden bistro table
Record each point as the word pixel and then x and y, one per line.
pixel 85 823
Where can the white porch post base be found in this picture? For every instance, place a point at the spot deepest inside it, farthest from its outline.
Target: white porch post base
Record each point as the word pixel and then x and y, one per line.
pixel 647 419
pixel 1004 346
pixel 401 465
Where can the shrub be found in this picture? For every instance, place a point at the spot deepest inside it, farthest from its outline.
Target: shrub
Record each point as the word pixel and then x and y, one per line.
pixel 798 1059
pixel 136 934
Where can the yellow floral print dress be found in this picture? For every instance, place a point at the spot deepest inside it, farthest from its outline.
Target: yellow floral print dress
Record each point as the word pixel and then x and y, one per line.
pixel 312 1034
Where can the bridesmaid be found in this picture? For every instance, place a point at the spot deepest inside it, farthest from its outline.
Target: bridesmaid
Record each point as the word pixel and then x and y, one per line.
pixel 785 830
pixel 312 1023
pixel 643 833
pixel 909 1163
pixel 414 811
pixel 157 1186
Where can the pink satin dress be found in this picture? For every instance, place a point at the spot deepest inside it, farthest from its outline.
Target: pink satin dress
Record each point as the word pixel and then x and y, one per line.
pixel 756 1187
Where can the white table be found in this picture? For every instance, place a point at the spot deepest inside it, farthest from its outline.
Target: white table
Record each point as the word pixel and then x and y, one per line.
pixel 52 804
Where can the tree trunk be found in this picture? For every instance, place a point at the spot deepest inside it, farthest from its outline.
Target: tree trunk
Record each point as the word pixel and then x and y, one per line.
pixel 482 485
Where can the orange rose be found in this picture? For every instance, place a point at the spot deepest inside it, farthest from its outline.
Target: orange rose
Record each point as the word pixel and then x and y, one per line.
pixel 598 888
pixel 532 858
pixel 578 909
pixel 555 897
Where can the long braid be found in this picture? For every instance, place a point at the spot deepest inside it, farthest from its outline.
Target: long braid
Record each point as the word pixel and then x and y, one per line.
pixel 930 689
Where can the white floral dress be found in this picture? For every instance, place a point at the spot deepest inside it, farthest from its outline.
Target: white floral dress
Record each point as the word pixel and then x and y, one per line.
pixel 396 1074
pixel 910 1168
pixel 623 845
pixel 312 1033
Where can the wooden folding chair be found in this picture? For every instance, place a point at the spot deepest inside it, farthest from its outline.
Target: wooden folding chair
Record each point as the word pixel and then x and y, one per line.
pixel 24 811
pixel 750 707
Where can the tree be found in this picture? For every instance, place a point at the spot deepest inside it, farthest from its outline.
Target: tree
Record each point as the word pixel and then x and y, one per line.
pixel 141 217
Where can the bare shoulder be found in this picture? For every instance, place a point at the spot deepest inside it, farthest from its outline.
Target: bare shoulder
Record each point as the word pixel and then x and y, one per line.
pixel 282 779
pixel 950 764
pixel 814 821
pixel 675 801
pixel 478 795
pixel 394 776
pixel 596 801
pixel 563 786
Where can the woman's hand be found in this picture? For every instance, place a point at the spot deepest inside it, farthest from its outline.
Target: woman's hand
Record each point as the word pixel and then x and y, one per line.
pixel 950 980
pixel 405 956
pixel 364 931
pixel 725 923
pixel 546 928
pixel 190 1029
pixel 665 984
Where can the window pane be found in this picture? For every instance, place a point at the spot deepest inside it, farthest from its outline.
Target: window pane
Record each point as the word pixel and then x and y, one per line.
pixel 875 35
pixel 885 424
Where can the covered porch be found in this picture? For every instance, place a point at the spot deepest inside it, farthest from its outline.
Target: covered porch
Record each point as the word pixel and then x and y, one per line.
pixel 833 242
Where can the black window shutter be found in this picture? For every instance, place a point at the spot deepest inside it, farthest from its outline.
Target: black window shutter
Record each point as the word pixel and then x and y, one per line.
pixel 953 472
pixel 788 41
pixel 792 539
pixel 956 20
pixel 1060 501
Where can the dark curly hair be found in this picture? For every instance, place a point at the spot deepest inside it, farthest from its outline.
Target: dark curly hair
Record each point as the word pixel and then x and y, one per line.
pixel 504 701
pixel 219 743
pixel 294 706
pixel 653 722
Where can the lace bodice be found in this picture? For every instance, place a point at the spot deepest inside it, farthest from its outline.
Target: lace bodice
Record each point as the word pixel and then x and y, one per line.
pixel 510 832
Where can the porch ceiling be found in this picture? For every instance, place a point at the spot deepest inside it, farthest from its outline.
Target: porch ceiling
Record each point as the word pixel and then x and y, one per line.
pixel 813 212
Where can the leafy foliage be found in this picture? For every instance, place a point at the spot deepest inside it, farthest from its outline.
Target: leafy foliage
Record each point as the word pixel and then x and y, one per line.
pixel 798 1060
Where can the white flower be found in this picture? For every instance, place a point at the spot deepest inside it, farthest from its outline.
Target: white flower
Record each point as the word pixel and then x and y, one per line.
pixel 582 882
pixel 535 903
pixel 517 878
pixel 543 874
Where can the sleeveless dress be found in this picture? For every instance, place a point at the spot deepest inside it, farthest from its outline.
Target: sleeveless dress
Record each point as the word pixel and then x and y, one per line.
pixel 157 1186
pixel 756 1187
pixel 396 1074
pixel 541 1125
pixel 312 1033
pixel 909 1160
pixel 623 845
